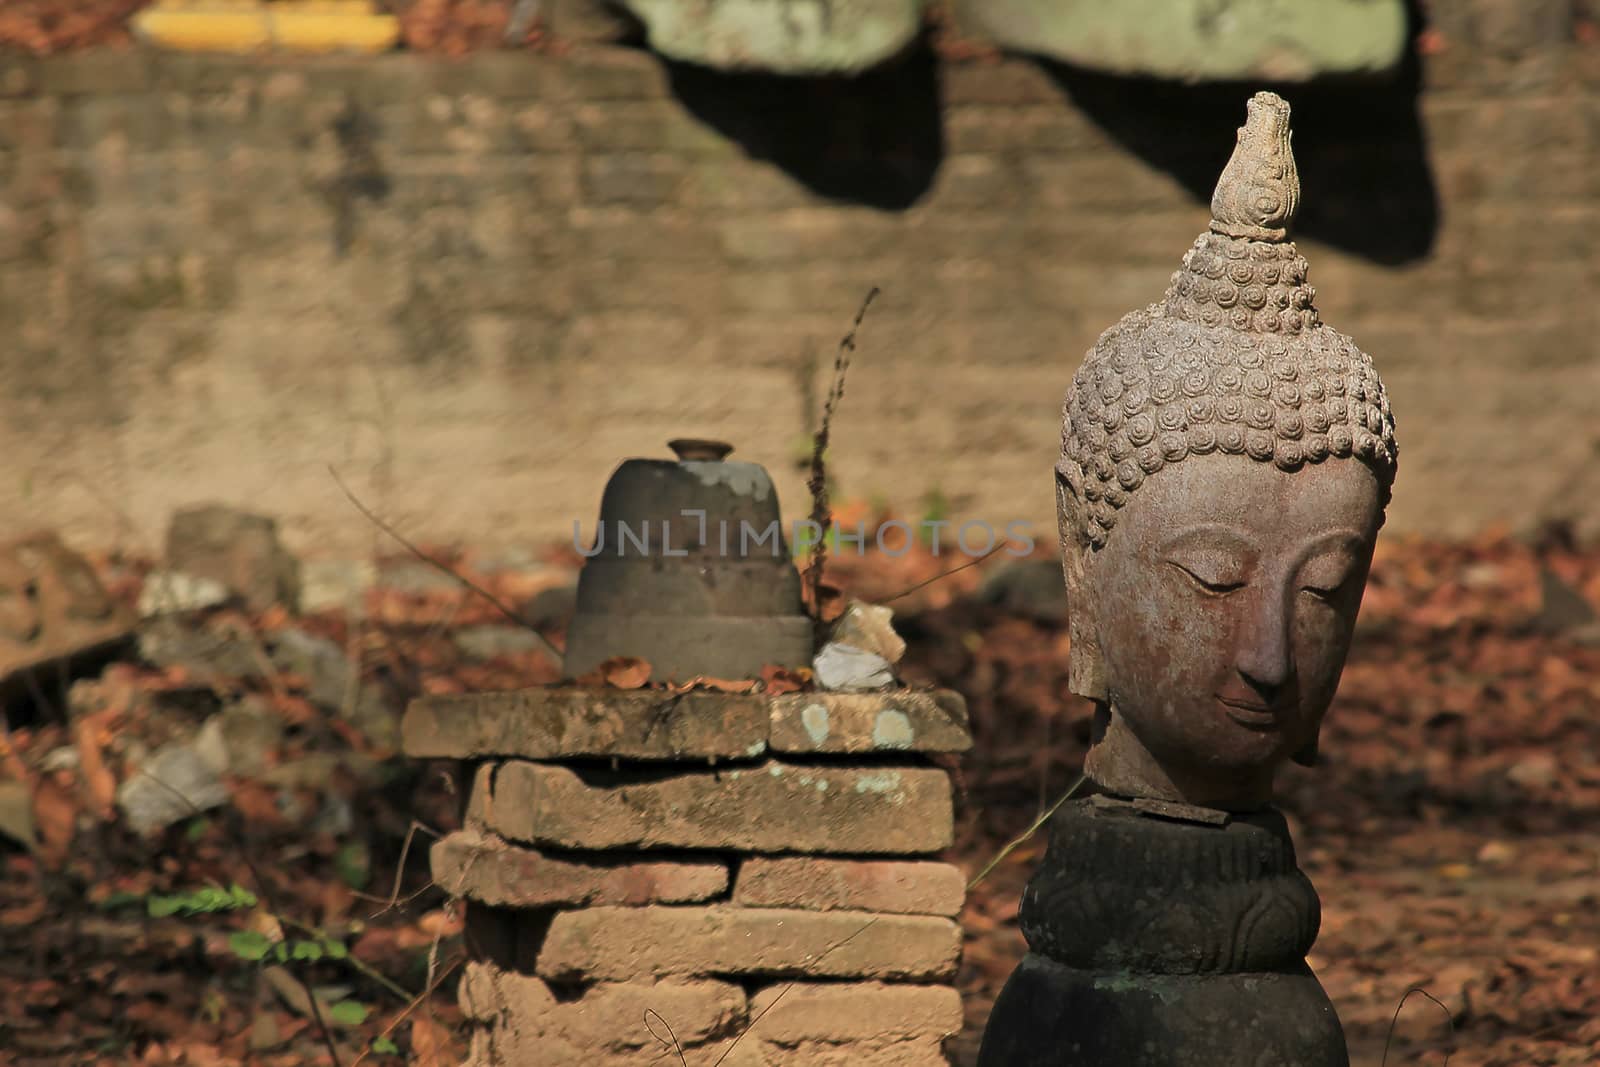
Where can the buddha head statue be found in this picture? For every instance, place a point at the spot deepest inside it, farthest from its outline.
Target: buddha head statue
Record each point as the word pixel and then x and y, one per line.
pixel 1226 460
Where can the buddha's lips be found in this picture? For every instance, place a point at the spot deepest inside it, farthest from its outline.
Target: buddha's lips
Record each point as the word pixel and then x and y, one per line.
pixel 1249 713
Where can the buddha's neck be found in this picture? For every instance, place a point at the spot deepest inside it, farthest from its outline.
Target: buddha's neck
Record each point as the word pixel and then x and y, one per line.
pixel 1120 765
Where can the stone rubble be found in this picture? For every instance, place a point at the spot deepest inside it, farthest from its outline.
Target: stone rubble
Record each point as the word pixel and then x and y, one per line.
pixel 753 872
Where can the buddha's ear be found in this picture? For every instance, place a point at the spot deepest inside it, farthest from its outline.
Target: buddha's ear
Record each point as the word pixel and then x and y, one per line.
pixel 1086 675
pixel 1307 754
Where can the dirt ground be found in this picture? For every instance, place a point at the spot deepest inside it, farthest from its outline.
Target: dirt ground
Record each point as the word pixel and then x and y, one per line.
pixel 1451 828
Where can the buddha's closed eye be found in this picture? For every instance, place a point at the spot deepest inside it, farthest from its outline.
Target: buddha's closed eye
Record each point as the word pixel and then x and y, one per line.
pixel 1326 575
pixel 1213 572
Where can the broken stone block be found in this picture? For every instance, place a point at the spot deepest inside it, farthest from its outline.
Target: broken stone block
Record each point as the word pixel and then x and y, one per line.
pixel 335 584
pixel 816 883
pixel 176 593
pixel 491 640
pixel 901 721
pixel 486 868
pixel 552 723
pixel 334 682
pixel 53 611
pixel 606 1024
pixel 773 807
pixel 175 783
pixel 237 549
pixel 208 656
pixel 617 944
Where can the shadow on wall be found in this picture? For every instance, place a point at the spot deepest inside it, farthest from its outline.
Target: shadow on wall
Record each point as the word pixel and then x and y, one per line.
pixel 877 139
pixel 1359 148
pixel 874 139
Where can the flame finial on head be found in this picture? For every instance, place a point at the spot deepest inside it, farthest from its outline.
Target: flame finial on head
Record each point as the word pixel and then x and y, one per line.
pixel 1259 190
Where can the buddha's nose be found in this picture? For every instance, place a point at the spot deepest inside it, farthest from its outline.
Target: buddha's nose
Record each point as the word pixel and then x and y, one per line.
pixel 1264 660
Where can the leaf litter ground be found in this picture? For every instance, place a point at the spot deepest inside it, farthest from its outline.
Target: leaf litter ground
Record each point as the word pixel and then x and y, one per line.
pixel 1451 827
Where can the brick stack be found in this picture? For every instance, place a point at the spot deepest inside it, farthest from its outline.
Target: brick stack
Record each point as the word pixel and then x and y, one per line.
pixel 749 871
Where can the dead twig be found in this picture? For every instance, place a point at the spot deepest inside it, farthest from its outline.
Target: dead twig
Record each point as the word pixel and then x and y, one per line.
pixel 945 574
pixel 494 601
pixel 665 1042
pixel 817 481
pixel 1011 846
pixel 1448 1018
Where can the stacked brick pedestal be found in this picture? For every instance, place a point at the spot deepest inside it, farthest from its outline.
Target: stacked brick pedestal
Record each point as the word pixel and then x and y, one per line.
pixel 739 871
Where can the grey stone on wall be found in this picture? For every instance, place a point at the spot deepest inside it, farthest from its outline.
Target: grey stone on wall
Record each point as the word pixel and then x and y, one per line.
pixel 780 36
pixel 1195 40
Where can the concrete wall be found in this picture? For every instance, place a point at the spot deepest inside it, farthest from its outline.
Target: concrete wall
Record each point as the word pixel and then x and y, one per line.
pixel 473 287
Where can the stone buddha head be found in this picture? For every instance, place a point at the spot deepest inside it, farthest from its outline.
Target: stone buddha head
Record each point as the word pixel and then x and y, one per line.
pixel 1226 460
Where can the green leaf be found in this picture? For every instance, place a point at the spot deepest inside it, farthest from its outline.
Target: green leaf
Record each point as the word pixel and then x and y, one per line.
pixel 307 950
pixel 249 945
pixel 348 1013
pixel 241 897
pixel 121 899
pixel 354 864
pixel 384 1046
pixel 161 907
pixel 197 828
pixel 335 950
pixel 281 951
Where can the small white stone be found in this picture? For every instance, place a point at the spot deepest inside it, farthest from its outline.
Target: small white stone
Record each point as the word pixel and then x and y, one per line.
pixel 174 593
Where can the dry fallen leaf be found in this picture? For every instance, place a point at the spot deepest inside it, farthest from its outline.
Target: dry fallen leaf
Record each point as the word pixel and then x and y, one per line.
pixel 55 813
pixel 93 733
pixel 430 1043
pixel 719 685
pixel 778 680
pixel 619 672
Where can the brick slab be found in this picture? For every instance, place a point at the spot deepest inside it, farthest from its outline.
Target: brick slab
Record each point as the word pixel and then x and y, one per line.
pixel 485 868
pixel 554 723
pixel 626 943
pixel 908 721
pixel 774 807
pixel 908 887
pixel 529 1024
pixel 791 1013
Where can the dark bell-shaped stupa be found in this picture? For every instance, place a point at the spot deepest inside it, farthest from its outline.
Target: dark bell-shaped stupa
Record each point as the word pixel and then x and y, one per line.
pixel 690 571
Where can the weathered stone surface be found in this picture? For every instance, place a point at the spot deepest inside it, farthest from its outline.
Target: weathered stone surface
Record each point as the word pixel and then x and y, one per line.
pixel 774 807
pixel 1283 42
pixel 855 1011
pixel 907 887
pixel 236 315
pixel 624 943
pixel 238 549
pixel 176 781
pixel 782 38
pixel 910 720
pixel 486 868
pixel 530 1025
pixel 52 607
pixel 571 721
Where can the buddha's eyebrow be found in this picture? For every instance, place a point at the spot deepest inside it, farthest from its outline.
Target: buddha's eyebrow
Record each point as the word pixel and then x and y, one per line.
pixel 1349 541
pixel 1210 533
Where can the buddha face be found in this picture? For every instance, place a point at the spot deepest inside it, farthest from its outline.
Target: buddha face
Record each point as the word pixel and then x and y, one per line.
pixel 1222 606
